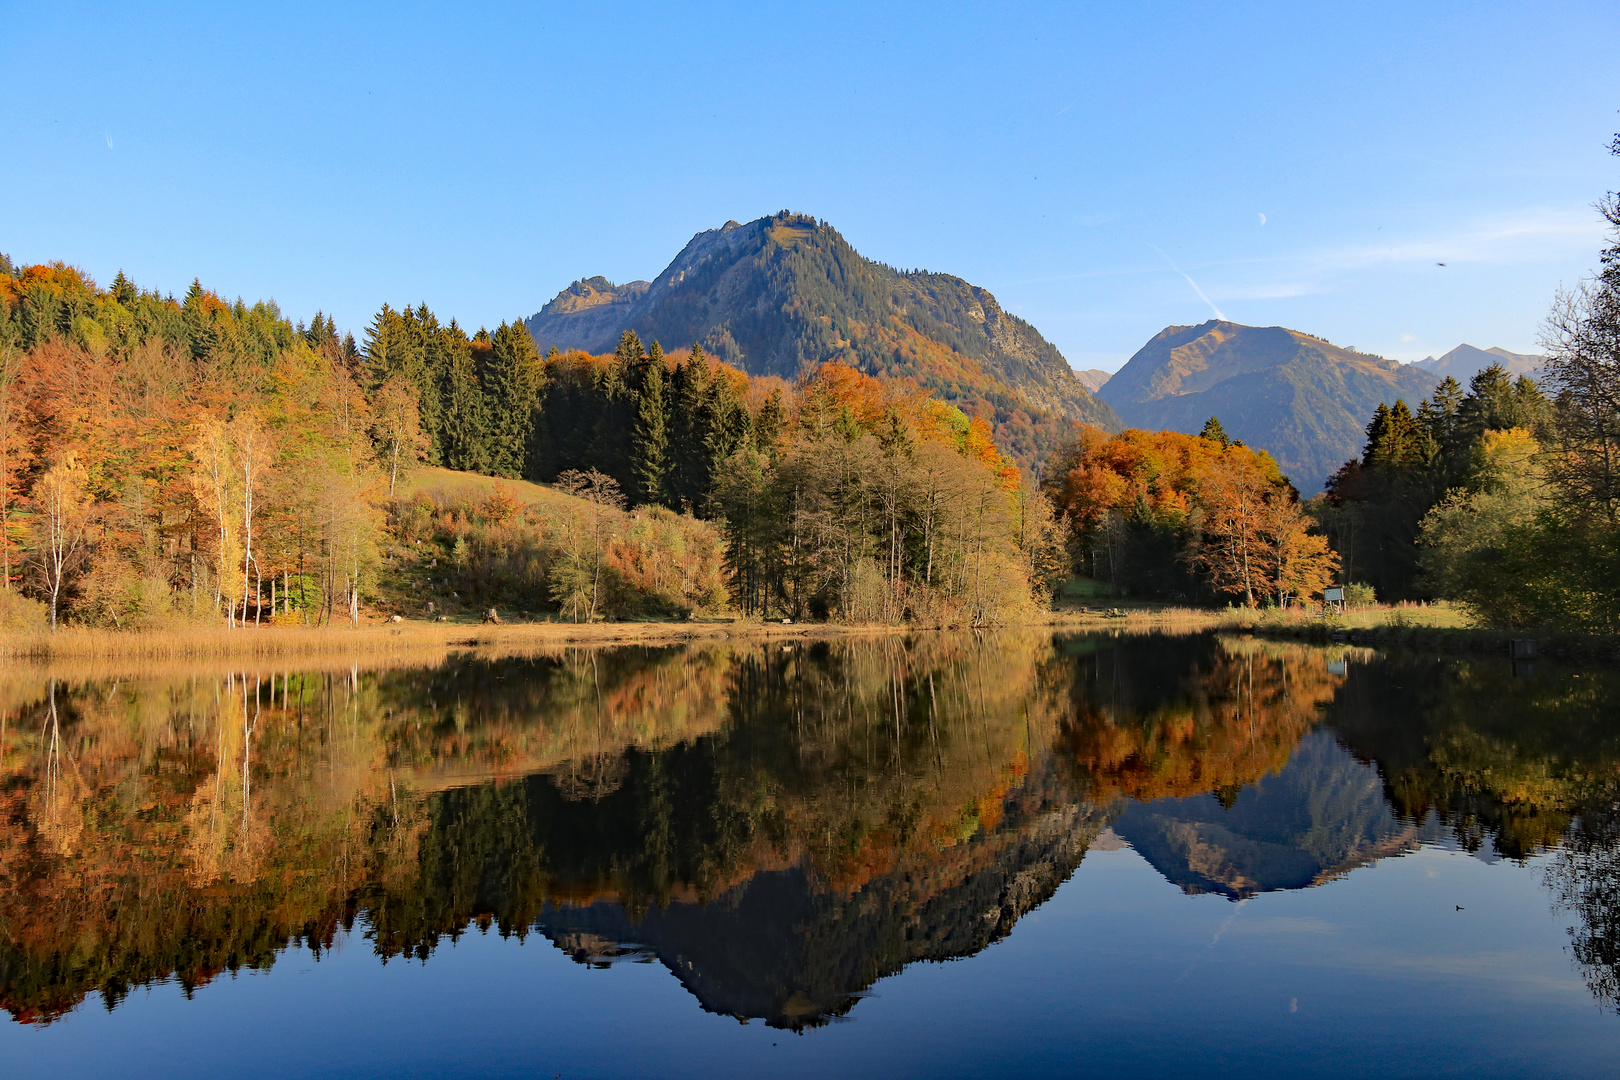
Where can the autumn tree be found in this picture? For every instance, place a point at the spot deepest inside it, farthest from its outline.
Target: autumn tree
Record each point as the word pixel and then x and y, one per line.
pixel 1582 337
pixel 13 454
pixel 1301 562
pixel 397 428
pixel 577 576
pixel 63 505
pixel 211 479
pixel 1231 548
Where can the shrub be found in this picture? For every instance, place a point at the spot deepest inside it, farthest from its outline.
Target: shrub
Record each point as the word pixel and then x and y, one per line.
pixel 19 613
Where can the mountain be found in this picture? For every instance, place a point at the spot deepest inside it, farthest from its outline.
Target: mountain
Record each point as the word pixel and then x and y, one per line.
pixel 784 293
pixel 783 947
pixel 1301 398
pixel 1321 816
pixel 1465 361
pixel 1093 378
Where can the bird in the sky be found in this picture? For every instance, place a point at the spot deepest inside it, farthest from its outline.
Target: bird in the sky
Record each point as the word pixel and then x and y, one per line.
pixel 1439 264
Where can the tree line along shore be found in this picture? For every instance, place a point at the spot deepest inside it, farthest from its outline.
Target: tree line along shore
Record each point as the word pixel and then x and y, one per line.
pixel 170 464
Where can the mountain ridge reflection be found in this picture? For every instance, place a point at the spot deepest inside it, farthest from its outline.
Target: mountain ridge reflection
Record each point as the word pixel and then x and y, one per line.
pixel 780 826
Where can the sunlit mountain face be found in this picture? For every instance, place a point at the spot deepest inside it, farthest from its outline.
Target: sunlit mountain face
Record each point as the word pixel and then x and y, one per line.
pixel 780 826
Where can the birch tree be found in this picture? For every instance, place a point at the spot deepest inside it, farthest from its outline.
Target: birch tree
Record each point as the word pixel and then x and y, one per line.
pixel 64 509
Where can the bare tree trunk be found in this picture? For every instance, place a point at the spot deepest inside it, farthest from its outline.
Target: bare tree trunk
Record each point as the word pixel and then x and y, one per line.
pixel 354 581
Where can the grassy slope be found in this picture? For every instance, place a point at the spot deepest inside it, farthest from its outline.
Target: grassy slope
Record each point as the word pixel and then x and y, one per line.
pixel 452 484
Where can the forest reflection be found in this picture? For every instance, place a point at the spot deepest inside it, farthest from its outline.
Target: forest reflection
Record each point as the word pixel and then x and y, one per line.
pixel 779 824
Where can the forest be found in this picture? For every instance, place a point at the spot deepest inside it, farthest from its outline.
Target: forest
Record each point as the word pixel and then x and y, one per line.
pixel 1187 517
pixel 171 461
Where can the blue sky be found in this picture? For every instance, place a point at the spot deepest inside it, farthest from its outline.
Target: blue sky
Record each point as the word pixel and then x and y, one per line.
pixel 1097 167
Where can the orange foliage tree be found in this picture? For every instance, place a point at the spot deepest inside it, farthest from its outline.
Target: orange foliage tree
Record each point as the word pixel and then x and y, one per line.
pixel 1142 507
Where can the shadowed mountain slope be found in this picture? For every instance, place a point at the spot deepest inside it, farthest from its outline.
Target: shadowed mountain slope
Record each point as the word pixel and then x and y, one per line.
pixel 1301 398
pixel 782 294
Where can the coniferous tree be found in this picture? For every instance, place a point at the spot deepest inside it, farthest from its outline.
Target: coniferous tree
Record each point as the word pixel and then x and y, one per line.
pixel 769 422
pixel 650 462
pixel 689 387
pixel 726 425
pixel 1214 432
pixel 202 334
pixel 614 419
pixel 464 435
pixel 512 390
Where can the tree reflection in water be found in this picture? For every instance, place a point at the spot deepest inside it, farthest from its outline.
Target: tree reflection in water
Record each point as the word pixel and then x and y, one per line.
pixel 780 825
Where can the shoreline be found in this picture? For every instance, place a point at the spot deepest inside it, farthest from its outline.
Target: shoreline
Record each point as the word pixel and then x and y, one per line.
pixel 1543 644
pixel 381 638
pixel 419 640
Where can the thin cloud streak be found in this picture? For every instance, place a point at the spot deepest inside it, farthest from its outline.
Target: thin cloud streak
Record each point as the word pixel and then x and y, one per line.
pixel 1521 238
pixel 1191 282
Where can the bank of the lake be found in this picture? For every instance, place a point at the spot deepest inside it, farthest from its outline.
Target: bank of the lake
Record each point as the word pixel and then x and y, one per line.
pixel 377 637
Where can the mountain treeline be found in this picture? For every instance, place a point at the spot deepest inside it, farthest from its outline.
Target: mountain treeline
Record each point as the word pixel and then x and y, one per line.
pixel 841 496
pixel 662 429
pixel 1159 513
pixel 169 460
pixel 880 504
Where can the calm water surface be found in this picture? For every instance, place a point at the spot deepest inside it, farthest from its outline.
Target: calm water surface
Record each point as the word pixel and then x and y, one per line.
pixel 967 856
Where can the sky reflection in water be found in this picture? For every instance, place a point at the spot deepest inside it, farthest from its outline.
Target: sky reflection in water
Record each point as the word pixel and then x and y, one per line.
pixel 1149 854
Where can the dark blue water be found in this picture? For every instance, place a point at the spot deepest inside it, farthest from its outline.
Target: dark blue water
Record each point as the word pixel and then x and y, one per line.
pixel 1094 857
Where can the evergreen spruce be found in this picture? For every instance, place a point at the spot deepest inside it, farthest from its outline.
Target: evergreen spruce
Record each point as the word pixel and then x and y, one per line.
pixel 512 391
pixel 650 462
pixel 1215 433
pixel 464 435
pixel 768 424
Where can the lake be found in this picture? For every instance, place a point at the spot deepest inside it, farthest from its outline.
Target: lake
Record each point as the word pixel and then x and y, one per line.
pixel 935 855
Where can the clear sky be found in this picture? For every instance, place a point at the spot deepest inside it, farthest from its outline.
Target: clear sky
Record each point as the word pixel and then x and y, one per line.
pixel 1304 164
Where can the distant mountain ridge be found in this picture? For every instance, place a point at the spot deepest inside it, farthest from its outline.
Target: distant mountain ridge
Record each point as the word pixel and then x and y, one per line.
pixel 782 294
pixel 1093 378
pixel 1300 397
pixel 1465 361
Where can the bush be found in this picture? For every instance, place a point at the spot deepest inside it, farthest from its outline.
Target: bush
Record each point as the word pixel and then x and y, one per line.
pixel 1359 594
pixel 18 613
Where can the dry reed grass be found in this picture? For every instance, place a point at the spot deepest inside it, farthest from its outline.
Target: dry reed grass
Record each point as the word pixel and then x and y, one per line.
pixel 95 652
pixel 410 642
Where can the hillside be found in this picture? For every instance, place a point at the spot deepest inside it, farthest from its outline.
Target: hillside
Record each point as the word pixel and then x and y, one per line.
pixel 1465 361
pixel 782 294
pixel 449 485
pixel 1301 398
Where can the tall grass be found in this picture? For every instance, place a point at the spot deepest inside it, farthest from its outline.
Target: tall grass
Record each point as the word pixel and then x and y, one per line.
pixel 277 642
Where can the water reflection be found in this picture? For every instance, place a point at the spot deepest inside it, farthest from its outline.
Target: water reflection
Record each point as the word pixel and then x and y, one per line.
pixel 779 826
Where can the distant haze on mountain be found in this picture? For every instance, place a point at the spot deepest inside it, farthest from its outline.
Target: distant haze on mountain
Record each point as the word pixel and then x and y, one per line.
pixel 782 294
pixel 1093 378
pixel 1299 397
pixel 1465 361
